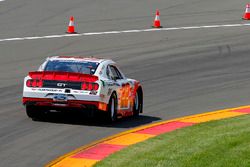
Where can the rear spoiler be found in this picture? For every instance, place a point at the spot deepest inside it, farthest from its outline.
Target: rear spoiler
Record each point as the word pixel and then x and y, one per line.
pixel 62 76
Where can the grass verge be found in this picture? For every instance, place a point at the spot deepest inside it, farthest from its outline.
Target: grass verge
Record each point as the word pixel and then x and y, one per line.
pixel 224 143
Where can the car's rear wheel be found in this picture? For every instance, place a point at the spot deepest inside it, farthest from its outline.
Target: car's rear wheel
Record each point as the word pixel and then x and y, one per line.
pixel 137 103
pixel 112 109
pixel 34 112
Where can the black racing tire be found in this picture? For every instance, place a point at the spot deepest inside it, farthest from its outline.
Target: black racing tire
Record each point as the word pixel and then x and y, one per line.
pixel 111 115
pixel 34 112
pixel 138 103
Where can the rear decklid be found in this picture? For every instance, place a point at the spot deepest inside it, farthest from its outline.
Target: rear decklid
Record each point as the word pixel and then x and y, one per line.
pixel 51 79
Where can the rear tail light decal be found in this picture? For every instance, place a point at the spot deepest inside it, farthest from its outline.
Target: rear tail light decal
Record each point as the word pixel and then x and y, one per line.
pixel 96 86
pixel 90 86
pixel 34 83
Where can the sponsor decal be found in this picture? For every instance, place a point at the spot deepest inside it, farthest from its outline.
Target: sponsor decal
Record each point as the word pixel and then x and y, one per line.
pixel 76 91
pixel 60 97
pixel 75 60
pixel 110 83
pixel 59 104
pixel 49 90
pixel 84 91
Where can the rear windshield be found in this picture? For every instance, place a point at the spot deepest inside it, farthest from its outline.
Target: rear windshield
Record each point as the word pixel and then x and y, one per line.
pixel 71 66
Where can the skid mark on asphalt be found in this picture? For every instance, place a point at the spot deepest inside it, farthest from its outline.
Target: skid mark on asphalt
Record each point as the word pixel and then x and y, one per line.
pixel 124 31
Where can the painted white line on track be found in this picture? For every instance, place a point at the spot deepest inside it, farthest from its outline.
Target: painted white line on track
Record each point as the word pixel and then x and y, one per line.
pixel 124 31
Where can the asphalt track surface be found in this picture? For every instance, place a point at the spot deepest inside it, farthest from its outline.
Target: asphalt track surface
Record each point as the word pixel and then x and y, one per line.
pixel 183 72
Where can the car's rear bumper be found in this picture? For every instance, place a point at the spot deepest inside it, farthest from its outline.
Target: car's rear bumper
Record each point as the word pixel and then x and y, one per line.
pixel 48 102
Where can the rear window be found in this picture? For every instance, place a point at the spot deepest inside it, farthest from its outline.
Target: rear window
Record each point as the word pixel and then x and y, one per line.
pixel 71 66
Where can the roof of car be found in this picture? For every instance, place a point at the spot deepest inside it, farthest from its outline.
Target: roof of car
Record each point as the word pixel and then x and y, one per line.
pixel 78 58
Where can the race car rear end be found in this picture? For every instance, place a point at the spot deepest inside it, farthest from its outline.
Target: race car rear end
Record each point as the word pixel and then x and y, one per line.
pixel 61 91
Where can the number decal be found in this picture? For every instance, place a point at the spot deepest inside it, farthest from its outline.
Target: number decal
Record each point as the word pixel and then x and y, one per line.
pixel 125 94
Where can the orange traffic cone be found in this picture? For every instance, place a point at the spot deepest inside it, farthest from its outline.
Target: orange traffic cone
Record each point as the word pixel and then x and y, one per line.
pixel 247 13
pixel 71 27
pixel 157 22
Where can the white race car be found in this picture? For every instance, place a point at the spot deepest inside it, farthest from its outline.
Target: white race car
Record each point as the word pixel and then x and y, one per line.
pixel 78 83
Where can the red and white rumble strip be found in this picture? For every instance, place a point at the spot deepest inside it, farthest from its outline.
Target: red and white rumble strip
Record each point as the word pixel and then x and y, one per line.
pixel 89 155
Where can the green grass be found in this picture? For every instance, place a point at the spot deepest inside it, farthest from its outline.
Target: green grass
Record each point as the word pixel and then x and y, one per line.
pixel 224 143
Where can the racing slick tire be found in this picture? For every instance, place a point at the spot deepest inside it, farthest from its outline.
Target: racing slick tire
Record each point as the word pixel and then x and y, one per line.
pixel 138 103
pixel 34 112
pixel 112 109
